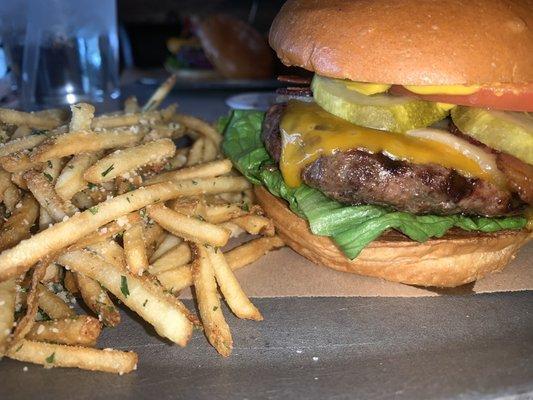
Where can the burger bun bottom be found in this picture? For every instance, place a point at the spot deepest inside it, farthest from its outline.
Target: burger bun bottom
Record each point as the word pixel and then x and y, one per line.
pixel 457 258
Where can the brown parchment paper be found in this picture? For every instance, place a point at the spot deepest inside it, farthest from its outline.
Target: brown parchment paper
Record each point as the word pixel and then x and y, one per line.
pixel 284 273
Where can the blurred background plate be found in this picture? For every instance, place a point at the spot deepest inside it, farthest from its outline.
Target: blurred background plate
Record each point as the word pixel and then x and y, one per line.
pixel 252 101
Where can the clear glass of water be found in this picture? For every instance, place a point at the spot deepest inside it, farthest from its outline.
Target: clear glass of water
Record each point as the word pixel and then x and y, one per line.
pixel 62 51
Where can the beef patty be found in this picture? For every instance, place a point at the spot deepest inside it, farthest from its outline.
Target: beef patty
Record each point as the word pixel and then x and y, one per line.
pixel 360 177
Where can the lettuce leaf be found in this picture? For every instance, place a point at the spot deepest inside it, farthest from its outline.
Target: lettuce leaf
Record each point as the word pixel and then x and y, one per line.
pixel 351 227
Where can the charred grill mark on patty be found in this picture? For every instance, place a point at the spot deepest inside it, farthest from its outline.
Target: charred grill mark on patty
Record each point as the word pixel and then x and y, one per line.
pixel 360 177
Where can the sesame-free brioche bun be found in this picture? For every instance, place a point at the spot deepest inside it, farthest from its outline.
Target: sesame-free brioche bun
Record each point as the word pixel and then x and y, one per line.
pixel 457 258
pixel 408 42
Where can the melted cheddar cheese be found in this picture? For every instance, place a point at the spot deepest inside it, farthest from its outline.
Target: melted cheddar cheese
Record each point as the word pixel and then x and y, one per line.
pixel 309 132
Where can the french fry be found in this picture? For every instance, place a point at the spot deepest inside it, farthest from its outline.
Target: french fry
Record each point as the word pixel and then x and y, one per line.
pixel 151 117
pixel 32 120
pixel 78 331
pixel 111 252
pixel 18 259
pixel 70 284
pixel 71 180
pixel 83 142
pixel 187 227
pixel 20 132
pixel 179 160
pixel 237 300
pixel 169 242
pixel 25 323
pixel 255 224
pixel 5 182
pixel 210 151
pixel 12 197
pixel 146 299
pixel 18 162
pixel 207 170
pixel 52 273
pixel 197 125
pixel 219 213
pixel 196 152
pixel 153 235
pixel 108 231
pixel 82 116
pixel 134 249
pixel 7 312
pixel 52 169
pixel 41 187
pixel 176 257
pixel 122 161
pixel 97 299
pixel 215 326
pixel 179 278
pixel 160 94
pixel 57 355
pixel 23 143
pixel 171 131
pixel 234 229
pixel 17 227
pixel 52 305
pixel 131 105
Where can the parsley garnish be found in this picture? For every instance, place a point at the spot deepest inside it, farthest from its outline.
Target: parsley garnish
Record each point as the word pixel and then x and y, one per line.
pixel 38 132
pixel 215 308
pixel 107 171
pixel 245 207
pixel 144 304
pixel 127 198
pixel 91 186
pixel 93 210
pixel 124 286
pixel 48 176
pixel 194 183
pixel 18 348
pixel 51 358
pixel 49 163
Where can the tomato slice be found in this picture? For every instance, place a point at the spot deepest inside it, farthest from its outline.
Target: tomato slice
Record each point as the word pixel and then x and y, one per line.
pixel 501 97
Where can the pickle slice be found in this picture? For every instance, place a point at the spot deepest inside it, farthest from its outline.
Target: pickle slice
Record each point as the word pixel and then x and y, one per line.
pixel 380 111
pixel 510 132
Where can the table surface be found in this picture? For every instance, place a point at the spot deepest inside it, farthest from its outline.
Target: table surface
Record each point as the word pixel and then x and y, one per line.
pixel 467 347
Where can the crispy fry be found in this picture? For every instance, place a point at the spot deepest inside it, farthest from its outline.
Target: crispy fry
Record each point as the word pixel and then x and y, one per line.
pixel 110 251
pixel 122 161
pixel 71 180
pixel 153 235
pixel 23 143
pixel 7 311
pixel 131 105
pixel 19 161
pixel 58 355
pixel 160 94
pixel 96 298
pixel 176 257
pixel 255 224
pixel 215 326
pixel 197 125
pixel 20 132
pixel 83 142
pixel 196 152
pixel 207 170
pixel 19 258
pixel 78 331
pixel 168 242
pixel 52 273
pixel 171 131
pixel 179 160
pixel 151 117
pixel 179 278
pixel 52 169
pixel 41 187
pixel 146 299
pixel 108 231
pixel 11 197
pixel 237 300
pixel 187 227
pixel 82 116
pixel 210 152
pixel 52 305
pixel 135 250
pixel 217 214
pixel 32 120
pixel 70 283
pixel 17 227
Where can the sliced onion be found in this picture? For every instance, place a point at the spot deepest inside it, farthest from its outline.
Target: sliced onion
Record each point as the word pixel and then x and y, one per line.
pixel 485 159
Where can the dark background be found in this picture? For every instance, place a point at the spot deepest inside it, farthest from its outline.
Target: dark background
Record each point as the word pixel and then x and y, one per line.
pixel 149 23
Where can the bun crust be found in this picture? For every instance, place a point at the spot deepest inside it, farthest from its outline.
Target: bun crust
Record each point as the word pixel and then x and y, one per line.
pixel 408 42
pixel 458 258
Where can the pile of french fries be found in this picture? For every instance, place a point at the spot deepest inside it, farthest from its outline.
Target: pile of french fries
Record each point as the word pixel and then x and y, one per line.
pixel 107 209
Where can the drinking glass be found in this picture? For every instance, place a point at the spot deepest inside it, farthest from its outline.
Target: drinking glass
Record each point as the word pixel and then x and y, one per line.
pixel 61 51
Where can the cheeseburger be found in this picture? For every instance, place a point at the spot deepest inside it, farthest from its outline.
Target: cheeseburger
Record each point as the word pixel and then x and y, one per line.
pixel 410 156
